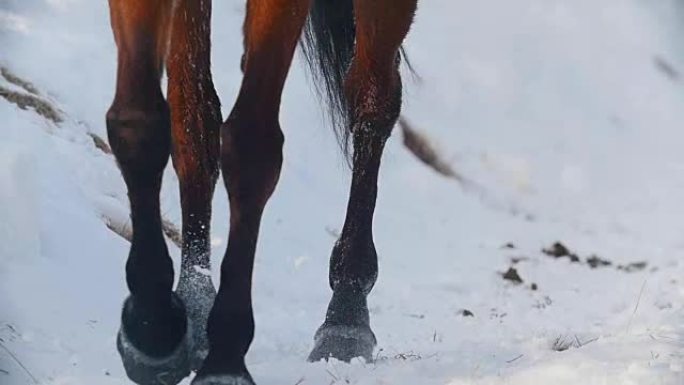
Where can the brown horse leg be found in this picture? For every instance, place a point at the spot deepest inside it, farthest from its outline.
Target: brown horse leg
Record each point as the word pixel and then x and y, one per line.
pixel 373 89
pixel 251 156
pixel 195 122
pixel 153 319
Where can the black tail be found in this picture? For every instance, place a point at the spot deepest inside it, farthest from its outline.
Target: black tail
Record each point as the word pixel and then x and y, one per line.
pixel 328 43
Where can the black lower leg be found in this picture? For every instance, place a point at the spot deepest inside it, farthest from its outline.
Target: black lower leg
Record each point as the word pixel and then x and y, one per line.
pixel 151 340
pixel 346 332
pixel 153 319
pixel 231 322
pixel 251 160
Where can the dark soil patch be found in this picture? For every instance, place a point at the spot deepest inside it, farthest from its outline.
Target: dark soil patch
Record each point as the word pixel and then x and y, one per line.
pixel 633 267
pixel 559 250
pixel 513 276
pixel 517 260
pixel 595 262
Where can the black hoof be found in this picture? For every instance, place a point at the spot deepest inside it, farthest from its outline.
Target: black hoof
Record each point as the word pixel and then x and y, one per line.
pixel 197 293
pixel 224 379
pixel 153 343
pixel 343 343
pixel 148 369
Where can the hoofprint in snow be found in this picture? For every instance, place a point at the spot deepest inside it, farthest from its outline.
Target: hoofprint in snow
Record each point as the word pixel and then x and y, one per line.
pixel 566 113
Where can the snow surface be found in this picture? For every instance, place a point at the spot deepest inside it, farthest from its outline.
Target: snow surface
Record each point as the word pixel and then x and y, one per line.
pixel 559 110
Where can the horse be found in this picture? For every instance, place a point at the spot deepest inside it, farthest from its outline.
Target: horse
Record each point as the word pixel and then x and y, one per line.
pixel 354 48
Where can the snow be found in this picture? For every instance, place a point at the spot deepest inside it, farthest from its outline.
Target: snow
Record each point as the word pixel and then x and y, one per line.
pixel 556 109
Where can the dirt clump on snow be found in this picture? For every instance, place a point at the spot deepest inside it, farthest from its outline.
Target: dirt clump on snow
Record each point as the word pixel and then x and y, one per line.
pixel 559 250
pixel 513 276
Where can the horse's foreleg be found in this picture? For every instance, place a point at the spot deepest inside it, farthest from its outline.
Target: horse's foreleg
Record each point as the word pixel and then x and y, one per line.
pixel 251 158
pixel 153 320
pixel 195 122
pixel 373 90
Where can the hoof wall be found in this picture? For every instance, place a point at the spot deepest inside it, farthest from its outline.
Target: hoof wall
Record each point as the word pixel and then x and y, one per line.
pixel 343 343
pixel 224 379
pixel 146 370
pixel 197 293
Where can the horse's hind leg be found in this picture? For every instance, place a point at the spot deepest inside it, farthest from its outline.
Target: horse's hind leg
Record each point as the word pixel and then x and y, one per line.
pixel 373 89
pixel 151 340
pixel 251 158
pixel 195 122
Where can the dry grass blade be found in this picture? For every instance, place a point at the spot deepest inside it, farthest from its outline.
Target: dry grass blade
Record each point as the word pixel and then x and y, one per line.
pixel 26 101
pixel 21 364
pixel 421 147
pixel 335 379
pixel 561 344
pixel 636 307
pixel 31 100
pixel 100 143
pixel 666 68
pixel 172 232
pixel 17 81
pixel 45 109
pixel 125 230
pixel 515 359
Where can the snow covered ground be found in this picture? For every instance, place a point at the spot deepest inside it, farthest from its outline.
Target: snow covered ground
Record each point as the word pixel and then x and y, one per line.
pixel 567 114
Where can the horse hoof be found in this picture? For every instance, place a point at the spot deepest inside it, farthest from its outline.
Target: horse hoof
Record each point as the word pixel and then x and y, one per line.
pixel 343 343
pixel 197 293
pixel 224 379
pixel 147 370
